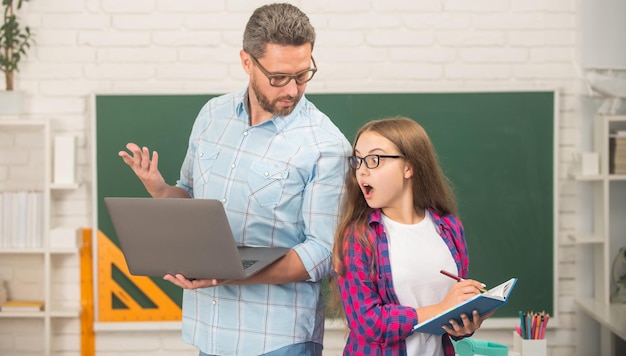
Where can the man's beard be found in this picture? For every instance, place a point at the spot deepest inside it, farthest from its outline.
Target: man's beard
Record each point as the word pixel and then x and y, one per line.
pixel 271 106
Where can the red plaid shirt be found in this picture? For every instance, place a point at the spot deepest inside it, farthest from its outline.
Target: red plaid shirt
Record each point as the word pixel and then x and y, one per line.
pixel 378 323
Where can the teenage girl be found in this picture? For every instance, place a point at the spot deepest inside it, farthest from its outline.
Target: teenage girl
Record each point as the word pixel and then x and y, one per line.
pixel 397 231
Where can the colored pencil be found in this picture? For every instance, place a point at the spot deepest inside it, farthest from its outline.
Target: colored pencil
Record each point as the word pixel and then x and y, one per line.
pixel 458 279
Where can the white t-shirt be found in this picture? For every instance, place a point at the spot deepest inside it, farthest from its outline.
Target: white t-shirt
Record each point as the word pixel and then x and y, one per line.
pixel 417 253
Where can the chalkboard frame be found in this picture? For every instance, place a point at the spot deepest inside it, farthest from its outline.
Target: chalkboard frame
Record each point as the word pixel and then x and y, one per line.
pixel 126 114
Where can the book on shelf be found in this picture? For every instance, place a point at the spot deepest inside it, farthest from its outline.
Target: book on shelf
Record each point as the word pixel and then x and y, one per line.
pixel 484 303
pixel 611 153
pixel 617 154
pixel 22 306
pixel 620 169
pixel 21 219
pixel 618 133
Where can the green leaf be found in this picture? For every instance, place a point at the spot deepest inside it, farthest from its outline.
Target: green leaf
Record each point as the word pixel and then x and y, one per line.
pixel 14 40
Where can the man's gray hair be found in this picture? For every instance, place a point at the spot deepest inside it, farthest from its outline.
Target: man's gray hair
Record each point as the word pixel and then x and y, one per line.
pixel 282 24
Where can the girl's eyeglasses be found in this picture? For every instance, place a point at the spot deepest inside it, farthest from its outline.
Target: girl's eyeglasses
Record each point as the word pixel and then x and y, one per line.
pixel 371 161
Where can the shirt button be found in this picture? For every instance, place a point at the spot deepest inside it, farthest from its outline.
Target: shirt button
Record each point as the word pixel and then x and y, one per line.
pixel 223 200
pixel 201 154
pixel 232 166
pixel 245 133
pixel 214 301
pixel 267 174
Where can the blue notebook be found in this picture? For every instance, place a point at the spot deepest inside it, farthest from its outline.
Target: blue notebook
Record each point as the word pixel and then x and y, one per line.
pixel 493 299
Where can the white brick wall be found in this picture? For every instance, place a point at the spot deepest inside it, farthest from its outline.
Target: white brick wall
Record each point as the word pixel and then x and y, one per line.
pixel 173 46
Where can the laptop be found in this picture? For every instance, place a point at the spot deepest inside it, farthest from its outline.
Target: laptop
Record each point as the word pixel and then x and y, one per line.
pixel 187 236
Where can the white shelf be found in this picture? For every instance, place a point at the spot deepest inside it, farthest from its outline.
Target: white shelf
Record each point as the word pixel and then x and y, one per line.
pixel 611 316
pixel 21 124
pixel 599 235
pixel 34 135
pixel 615 118
pixel 598 177
pixel 587 178
pixel 7 314
pixel 25 251
pixel 589 239
pixel 63 186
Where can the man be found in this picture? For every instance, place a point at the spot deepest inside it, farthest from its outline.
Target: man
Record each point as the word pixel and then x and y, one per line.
pixel 278 164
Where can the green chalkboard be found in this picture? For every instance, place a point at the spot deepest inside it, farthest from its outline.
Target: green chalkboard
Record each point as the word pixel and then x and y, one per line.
pixel 497 148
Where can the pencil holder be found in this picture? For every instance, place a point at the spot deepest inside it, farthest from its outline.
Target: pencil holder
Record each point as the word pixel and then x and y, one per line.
pixel 526 347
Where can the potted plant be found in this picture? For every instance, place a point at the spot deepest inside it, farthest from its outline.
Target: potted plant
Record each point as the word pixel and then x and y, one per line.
pixel 14 41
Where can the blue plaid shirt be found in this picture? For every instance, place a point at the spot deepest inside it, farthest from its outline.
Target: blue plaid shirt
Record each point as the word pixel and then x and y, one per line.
pixel 280 182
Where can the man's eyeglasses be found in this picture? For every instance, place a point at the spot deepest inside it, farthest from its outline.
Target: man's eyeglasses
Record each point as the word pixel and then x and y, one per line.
pixel 282 79
pixel 371 161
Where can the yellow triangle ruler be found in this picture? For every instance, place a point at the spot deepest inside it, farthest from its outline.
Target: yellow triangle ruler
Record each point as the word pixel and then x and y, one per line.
pixel 110 292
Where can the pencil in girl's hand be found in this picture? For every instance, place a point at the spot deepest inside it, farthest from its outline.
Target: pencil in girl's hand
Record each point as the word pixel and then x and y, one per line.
pixel 458 279
pixel 453 276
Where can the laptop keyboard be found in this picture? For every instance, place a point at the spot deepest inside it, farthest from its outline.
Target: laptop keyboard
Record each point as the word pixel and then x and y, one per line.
pixel 248 263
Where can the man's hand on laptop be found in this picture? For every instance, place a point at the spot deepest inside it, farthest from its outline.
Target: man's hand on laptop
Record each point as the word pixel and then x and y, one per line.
pixel 185 283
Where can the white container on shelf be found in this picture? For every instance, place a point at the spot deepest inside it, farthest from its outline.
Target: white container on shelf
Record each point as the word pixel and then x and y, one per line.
pixel 590 163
